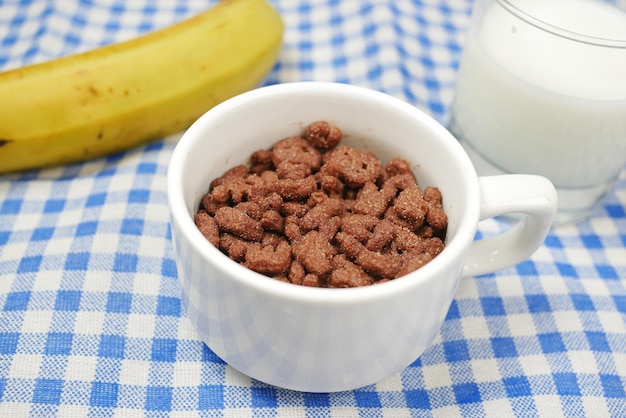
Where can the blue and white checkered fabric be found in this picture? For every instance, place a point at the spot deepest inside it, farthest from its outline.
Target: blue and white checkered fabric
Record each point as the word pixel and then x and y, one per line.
pixel 91 322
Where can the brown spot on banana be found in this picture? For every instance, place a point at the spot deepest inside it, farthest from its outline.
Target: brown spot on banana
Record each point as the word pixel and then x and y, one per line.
pixel 5 141
pixel 93 90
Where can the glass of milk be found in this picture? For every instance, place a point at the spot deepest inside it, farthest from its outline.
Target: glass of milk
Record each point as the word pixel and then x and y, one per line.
pixel 541 89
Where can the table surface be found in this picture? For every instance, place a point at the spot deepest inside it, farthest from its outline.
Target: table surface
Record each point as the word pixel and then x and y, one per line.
pixel 91 321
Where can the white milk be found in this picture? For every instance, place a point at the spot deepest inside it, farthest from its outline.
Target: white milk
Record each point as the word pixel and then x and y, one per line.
pixel 530 101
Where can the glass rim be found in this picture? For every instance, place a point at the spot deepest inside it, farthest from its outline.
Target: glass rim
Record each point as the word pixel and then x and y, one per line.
pixel 564 33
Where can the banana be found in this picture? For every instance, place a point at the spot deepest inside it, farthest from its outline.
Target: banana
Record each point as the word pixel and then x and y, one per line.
pixel 122 95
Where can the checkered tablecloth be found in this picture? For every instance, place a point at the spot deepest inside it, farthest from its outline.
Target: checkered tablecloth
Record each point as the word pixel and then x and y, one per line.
pixel 91 321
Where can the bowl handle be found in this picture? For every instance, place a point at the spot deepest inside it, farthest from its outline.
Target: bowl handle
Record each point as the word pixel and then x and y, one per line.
pixel 532 200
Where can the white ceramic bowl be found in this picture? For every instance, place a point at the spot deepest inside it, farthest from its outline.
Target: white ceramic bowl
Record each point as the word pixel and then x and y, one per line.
pixel 324 340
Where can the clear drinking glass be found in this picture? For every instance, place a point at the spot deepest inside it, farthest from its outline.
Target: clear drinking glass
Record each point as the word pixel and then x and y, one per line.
pixel 541 89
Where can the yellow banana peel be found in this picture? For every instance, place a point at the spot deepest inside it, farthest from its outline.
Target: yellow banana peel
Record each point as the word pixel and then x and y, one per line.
pixel 122 95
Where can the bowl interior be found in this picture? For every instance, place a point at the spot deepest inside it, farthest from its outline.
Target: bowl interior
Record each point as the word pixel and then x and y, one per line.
pixel 228 134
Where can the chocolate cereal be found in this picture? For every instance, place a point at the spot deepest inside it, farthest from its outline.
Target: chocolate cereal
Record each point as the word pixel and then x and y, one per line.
pixel 313 212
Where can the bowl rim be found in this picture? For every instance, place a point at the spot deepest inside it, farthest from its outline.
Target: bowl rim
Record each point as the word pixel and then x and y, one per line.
pixel 182 221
